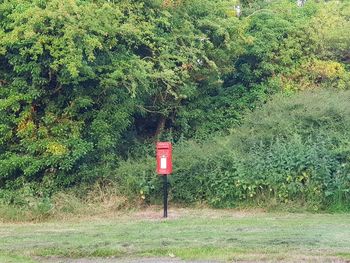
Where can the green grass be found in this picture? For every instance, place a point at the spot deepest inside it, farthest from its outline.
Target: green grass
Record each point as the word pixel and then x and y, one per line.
pixel 5 257
pixel 224 235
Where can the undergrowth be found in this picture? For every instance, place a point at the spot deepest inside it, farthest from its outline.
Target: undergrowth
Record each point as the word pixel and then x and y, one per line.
pixel 292 154
pixel 100 199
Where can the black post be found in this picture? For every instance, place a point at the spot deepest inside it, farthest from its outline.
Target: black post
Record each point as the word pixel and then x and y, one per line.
pixel 165 185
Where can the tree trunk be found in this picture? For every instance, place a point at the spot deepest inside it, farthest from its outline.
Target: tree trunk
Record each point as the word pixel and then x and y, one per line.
pixel 160 127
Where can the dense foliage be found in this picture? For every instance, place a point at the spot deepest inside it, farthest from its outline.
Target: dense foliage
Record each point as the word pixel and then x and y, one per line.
pixel 295 150
pixel 87 86
pixel 80 79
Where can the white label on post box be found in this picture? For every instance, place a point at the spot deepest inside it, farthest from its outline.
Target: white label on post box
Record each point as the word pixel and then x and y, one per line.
pixel 163 163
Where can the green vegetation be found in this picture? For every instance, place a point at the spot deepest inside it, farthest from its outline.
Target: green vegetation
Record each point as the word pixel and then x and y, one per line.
pixel 193 234
pixel 256 104
pixel 294 151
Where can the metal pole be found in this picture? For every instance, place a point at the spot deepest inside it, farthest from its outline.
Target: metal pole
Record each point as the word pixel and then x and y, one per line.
pixel 165 186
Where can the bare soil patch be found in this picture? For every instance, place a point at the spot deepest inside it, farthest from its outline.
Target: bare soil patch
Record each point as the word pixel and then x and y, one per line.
pixel 119 260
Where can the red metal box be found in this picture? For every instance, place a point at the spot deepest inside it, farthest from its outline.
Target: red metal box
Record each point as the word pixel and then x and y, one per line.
pixel 164 158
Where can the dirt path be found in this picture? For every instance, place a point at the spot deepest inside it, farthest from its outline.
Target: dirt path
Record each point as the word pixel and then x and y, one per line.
pixel 119 260
pixel 173 260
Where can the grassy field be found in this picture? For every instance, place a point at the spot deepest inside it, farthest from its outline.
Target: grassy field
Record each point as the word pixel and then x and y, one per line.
pixel 214 235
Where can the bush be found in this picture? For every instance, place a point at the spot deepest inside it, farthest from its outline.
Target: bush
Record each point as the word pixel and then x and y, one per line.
pixel 297 149
pixel 294 150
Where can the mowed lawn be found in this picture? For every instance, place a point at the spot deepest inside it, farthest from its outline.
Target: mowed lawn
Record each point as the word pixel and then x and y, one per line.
pixel 189 234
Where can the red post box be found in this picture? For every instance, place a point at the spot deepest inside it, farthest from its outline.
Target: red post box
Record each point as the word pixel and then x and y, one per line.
pixel 164 167
pixel 164 158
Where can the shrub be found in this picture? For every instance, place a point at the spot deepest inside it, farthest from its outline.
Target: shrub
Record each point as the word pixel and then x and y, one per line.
pixel 293 150
pixel 297 148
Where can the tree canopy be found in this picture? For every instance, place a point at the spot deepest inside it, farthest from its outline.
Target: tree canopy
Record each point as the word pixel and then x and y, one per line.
pixel 84 83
